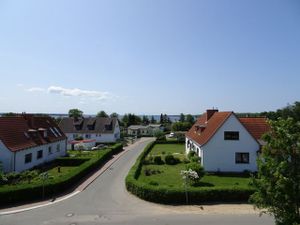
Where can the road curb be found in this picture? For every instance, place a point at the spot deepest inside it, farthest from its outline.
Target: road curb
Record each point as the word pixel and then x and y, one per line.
pixel 81 187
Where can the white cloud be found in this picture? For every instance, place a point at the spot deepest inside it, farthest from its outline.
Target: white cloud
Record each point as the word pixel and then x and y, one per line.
pixel 76 92
pixel 20 85
pixel 35 89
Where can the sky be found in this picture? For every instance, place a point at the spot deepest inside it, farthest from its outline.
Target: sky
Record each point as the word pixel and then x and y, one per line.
pixel 149 56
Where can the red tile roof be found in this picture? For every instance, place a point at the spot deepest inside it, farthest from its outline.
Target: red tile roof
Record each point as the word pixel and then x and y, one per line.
pixel 203 130
pixel 211 126
pixel 256 126
pixel 22 132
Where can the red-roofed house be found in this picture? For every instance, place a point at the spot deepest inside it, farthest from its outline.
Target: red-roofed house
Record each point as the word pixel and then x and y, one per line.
pixel 27 141
pixel 225 142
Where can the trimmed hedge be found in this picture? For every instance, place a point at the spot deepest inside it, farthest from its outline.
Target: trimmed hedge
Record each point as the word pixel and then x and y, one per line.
pixel 170 142
pixel 173 195
pixel 33 191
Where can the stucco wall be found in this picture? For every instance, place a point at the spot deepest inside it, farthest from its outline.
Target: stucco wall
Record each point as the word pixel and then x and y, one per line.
pixel 219 154
pixel 7 157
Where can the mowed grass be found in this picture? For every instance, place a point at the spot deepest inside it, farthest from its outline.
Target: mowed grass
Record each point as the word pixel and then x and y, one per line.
pixel 169 175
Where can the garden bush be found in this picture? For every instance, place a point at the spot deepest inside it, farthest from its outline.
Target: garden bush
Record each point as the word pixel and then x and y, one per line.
pixel 171 160
pixel 32 191
pixel 176 195
pixel 157 160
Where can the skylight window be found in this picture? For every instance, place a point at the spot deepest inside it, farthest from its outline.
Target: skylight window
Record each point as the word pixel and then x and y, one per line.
pixel 53 132
pixel 57 131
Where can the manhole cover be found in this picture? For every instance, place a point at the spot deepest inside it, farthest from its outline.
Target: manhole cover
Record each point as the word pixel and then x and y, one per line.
pixel 70 215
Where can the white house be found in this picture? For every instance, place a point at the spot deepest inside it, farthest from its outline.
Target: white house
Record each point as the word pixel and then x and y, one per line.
pixel 27 141
pixel 100 129
pixel 144 130
pixel 225 142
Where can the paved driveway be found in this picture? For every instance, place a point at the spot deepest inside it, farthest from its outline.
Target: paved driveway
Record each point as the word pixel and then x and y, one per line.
pixel 106 201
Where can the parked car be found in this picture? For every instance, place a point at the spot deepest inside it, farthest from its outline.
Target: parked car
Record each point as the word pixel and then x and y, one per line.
pixel 99 147
pixel 171 135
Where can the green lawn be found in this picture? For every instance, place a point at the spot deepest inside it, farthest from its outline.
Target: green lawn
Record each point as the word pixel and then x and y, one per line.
pixel 169 175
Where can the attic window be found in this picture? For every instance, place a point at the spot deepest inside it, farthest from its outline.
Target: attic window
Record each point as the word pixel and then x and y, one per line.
pixel 231 135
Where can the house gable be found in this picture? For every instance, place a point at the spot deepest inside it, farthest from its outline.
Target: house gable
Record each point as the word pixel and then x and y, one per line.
pixel 220 154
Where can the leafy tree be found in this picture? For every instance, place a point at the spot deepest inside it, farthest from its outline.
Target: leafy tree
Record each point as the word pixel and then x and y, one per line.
pixel 9 114
pixel 152 120
pixel 278 180
pixel 182 117
pixel 145 120
pixel 161 120
pixel 102 114
pixel 181 126
pixel 75 113
pixel 114 115
pixel 131 119
pixel 292 111
pixel 190 119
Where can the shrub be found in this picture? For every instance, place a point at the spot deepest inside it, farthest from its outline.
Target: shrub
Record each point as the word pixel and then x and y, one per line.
pixel 153 183
pixel 196 167
pixel 176 195
pixel 186 161
pixel 157 160
pixel 33 190
pixel 29 175
pixel 171 160
pixel 191 154
pixel 196 159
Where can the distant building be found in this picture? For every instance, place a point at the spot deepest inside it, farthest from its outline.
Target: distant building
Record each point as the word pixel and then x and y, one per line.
pixel 100 129
pixel 225 142
pixel 144 130
pixel 27 141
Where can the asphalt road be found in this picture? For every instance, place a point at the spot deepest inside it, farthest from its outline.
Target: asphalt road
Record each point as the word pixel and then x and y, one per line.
pixel 106 201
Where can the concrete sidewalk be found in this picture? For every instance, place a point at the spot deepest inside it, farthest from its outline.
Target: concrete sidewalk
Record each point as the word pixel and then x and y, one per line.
pixel 81 186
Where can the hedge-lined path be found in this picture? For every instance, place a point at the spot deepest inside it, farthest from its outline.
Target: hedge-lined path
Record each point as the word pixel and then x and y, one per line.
pixel 106 201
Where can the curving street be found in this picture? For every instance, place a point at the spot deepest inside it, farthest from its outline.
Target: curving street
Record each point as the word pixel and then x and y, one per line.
pixel 106 201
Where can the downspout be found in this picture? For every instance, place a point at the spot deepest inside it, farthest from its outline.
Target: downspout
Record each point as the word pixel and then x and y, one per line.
pixel 14 161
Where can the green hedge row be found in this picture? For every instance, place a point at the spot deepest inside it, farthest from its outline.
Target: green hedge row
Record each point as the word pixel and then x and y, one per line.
pixel 170 142
pixel 34 191
pixel 174 195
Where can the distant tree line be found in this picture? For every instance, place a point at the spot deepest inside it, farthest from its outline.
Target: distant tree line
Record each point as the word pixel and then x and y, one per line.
pixel 184 124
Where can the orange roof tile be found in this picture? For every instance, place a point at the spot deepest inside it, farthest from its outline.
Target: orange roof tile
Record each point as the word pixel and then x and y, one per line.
pixel 21 132
pixel 256 126
pixel 211 127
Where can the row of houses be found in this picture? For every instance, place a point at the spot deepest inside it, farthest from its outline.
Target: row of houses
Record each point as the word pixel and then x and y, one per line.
pixel 27 141
pixel 223 141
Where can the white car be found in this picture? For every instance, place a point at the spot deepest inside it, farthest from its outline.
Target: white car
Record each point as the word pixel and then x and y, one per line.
pixel 171 135
pixel 98 147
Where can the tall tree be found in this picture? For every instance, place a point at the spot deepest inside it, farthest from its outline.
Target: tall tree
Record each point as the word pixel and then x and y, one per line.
pixel 9 114
pixel 161 120
pixel 114 115
pixel 75 113
pixel 190 119
pixel 152 120
pixel 102 114
pixel 145 120
pixel 182 117
pixel 278 182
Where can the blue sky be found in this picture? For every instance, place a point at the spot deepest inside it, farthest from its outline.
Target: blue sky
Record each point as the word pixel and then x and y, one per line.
pixel 148 57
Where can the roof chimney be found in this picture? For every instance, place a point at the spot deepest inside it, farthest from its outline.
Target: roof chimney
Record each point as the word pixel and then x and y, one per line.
pixel 210 113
